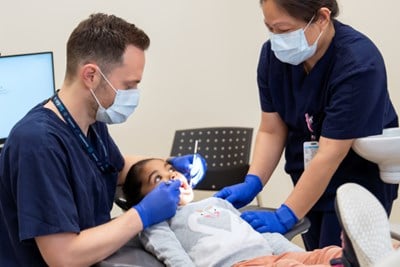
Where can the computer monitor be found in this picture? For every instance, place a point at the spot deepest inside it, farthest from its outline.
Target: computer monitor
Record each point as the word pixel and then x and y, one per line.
pixel 25 80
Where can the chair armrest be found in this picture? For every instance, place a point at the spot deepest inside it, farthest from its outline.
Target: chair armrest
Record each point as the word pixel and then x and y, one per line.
pixel 300 227
pixel 395 231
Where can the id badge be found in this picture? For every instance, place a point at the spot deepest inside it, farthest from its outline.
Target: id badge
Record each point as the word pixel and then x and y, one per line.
pixel 309 150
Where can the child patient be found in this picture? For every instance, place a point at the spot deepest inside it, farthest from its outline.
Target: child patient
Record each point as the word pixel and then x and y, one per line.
pixel 210 232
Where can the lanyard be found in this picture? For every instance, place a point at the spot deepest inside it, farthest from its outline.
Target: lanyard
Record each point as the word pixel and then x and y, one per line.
pixel 104 166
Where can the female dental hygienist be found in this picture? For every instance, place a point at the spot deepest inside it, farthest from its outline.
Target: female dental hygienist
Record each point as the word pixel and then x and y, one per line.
pixel 321 85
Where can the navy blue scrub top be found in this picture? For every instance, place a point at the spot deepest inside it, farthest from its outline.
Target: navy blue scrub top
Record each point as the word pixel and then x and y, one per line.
pixel 49 184
pixel 346 96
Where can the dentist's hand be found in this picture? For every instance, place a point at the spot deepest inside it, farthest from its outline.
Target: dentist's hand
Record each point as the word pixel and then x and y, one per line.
pixel 160 204
pixel 282 220
pixel 242 194
pixel 194 171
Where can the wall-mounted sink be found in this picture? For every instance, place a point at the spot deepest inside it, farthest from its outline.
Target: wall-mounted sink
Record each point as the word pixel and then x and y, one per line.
pixel 384 150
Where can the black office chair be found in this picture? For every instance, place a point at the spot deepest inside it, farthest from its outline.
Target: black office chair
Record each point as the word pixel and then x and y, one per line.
pixel 227 153
pixel 225 149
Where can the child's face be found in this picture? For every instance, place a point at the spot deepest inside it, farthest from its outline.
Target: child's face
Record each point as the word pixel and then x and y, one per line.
pixel 156 171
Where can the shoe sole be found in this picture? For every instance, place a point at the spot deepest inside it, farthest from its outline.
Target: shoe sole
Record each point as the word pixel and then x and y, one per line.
pixel 365 223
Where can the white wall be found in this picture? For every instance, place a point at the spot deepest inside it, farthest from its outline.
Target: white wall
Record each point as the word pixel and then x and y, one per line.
pixel 200 66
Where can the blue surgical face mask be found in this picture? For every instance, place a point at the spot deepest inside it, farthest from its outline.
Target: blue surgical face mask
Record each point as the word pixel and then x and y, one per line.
pixel 292 47
pixel 124 104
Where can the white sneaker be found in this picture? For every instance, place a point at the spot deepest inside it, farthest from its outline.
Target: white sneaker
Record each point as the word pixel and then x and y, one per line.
pixel 365 224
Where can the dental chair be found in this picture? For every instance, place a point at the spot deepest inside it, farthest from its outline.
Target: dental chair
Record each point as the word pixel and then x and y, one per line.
pixel 227 153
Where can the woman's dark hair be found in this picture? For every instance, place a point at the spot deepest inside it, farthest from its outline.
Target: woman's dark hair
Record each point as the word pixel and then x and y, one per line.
pixel 306 9
pixel 133 184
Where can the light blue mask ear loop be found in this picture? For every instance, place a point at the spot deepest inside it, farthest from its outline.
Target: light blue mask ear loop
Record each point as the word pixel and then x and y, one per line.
pixel 109 83
pixel 105 78
pixel 306 27
pixel 309 23
pixel 95 98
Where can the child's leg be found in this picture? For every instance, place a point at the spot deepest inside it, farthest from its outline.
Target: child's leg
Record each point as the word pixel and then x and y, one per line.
pixel 316 258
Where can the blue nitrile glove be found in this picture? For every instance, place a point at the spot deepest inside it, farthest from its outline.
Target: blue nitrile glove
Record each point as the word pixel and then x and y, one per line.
pixel 160 204
pixel 194 171
pixel 282 220
pixel 242 194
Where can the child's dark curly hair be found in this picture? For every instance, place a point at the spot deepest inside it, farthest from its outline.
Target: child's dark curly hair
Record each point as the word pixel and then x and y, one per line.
pixel 133 184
